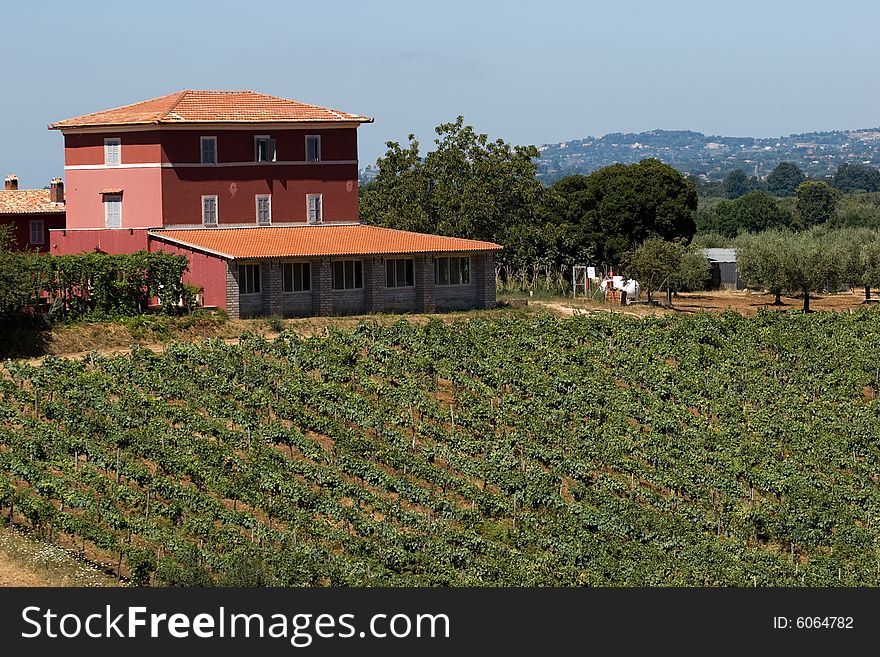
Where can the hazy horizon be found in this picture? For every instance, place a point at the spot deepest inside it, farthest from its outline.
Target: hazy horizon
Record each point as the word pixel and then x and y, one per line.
pixel 528 74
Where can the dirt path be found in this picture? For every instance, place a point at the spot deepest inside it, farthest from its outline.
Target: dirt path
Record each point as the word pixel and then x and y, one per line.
pixel 12 574
pixel 27 561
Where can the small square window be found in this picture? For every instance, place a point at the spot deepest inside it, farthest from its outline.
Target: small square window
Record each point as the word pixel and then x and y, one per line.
pixel 296 277
pixel 452 271
pixel 348 275
pixel 399 272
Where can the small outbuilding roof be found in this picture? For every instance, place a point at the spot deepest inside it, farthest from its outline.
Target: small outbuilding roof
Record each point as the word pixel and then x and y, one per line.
pixel 315 240
pixel 720 255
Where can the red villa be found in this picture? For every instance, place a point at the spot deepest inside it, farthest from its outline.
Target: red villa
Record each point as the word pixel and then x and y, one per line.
pixel 261 194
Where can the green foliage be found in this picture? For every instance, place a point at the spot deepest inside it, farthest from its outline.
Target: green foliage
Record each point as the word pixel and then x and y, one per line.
pixel 816 204
pixel 753 212
pixel 653 263
pixel 620 206
pixel 693 273
pixel 737 184
pixel 856 178
pixel 711 240
pixel 16 274
pixel 800 263
pixel 785 179
pixel 112 284
pixel 466 454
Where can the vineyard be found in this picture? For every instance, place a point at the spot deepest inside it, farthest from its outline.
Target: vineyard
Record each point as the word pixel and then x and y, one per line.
pixel 708 450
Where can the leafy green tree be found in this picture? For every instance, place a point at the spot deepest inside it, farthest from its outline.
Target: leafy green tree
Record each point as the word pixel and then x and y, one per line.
pixel 869 258
pixel 809 264
pixel 620 206
pixel 856 178
pixel 653 263
pixel 737 184
pixel 693 274
pixel 816 204
pixel 753 212
pixel 468 186
pixel 760 261
pixel 784 179
pixel 796 263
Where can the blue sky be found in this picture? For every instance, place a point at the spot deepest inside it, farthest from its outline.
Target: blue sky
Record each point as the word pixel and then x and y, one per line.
pixel 528 72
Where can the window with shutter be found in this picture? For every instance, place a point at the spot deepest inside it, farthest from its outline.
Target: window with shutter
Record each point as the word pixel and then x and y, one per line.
pixel 112 148
pixel 113 210
pixel 313 207
pixel 38 231
pixel 264 209
pixel 209 210
pixel 209 150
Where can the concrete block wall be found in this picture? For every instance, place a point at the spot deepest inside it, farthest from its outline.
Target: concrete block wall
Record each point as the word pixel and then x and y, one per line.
pixel 424 275
pixel 322 287
pixel 232 297
pixel 374 285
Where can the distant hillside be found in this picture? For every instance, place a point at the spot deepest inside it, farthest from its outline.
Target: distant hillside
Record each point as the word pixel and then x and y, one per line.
pixel 712 157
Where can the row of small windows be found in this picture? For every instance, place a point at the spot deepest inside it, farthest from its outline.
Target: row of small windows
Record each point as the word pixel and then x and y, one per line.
pixel 349 274
pixel 263 202
pixel 264 149
pixel 295 277
pixel 210 214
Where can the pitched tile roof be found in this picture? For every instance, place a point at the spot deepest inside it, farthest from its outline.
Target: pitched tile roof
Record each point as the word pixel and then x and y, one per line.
pixel 28 201
pixel 190 106
pixel 313 241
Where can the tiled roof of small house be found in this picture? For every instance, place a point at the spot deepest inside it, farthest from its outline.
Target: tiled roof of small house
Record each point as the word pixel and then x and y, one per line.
pixel 28 201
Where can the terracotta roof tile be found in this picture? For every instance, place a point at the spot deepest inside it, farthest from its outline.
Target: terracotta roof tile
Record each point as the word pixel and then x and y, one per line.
pixel 28 201
pixel 190 106
pixel 313 241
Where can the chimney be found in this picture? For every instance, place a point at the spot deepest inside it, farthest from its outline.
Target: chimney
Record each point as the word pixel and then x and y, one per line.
pixel 56 191
pixel 10 183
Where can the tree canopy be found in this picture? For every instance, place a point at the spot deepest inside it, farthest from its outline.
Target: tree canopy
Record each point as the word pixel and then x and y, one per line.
pixel 816 204
pixel 622 205
pixel 784 179
pixel 737 184
pixel 470 186
pixel 856 178
pixel 753 212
